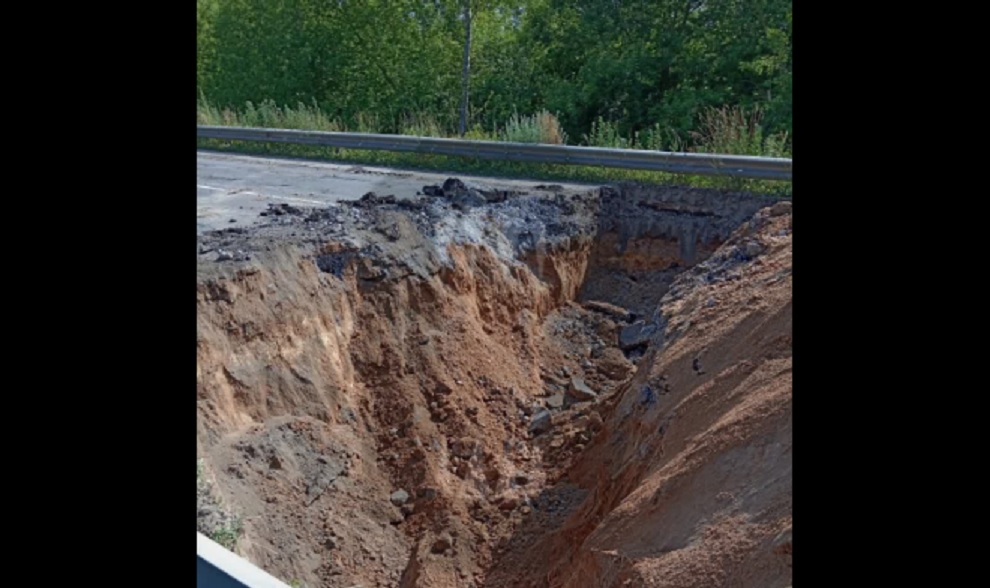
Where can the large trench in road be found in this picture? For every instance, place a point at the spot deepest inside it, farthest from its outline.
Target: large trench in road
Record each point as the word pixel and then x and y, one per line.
pixel 443 390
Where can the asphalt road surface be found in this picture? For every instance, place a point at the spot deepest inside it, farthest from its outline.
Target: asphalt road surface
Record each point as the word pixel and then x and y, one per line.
pixel 238 187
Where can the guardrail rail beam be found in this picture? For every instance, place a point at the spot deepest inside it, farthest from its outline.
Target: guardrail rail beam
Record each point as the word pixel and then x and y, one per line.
pixel 737 166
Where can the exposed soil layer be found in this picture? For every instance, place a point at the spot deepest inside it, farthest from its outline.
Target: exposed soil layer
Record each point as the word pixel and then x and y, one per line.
pixel 500 389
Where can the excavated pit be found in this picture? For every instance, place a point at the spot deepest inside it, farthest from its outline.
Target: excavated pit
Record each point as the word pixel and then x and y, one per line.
pixel 473 388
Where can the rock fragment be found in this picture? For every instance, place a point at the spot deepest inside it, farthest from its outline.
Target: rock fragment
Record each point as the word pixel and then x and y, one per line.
pixel 540 423
pixel 399 497
pixel 578 390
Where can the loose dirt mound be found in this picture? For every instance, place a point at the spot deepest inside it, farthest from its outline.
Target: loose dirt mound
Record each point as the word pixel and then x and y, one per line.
pixel 467 389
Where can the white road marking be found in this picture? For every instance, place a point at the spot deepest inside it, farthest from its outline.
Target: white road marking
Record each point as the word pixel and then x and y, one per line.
pixel 243 192
pixel 302 200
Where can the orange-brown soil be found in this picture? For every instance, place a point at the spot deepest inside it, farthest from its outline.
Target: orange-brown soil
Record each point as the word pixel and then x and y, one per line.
pixel 570 390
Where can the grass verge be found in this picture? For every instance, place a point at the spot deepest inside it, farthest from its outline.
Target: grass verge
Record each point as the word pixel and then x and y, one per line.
pixel 725 130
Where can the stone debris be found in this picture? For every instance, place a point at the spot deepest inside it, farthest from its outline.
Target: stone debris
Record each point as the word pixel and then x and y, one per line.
pixel 578 390
pixel 540 422
pixel 399 497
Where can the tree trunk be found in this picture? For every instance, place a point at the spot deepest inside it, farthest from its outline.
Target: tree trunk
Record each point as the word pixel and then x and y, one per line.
pixel 466 68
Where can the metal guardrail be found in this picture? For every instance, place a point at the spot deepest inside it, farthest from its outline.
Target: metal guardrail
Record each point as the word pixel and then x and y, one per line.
pixel 738 166
pixel 218 568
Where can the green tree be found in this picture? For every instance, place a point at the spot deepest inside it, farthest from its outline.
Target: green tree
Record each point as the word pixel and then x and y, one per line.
pixel 206 46
pixel 470 8
pixel 636 65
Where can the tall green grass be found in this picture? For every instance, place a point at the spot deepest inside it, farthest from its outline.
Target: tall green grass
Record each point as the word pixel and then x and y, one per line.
pixel 542 127
pixel 740 132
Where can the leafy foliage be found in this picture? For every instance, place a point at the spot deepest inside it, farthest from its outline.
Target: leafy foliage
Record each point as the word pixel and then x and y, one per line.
pixel 612 72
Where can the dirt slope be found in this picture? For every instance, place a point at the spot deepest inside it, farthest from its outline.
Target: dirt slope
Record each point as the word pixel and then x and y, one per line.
pixel 445 392
pixel 690 485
